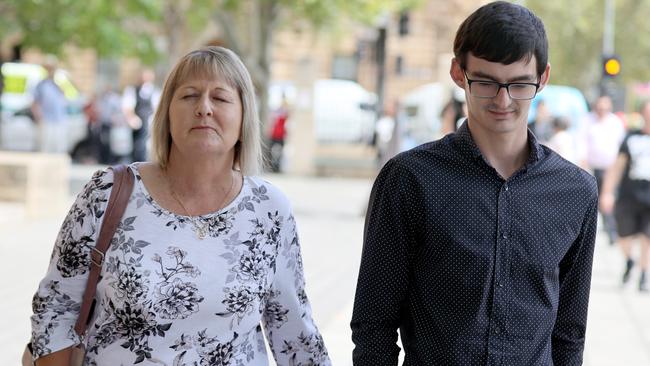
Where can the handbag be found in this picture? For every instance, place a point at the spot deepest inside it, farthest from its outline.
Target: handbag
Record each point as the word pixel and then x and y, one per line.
pixel 122 188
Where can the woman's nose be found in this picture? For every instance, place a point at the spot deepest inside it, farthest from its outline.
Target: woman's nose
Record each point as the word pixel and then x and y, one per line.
pixel 204 107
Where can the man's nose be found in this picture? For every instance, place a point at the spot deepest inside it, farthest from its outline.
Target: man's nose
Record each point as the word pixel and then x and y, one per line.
pixel 502 98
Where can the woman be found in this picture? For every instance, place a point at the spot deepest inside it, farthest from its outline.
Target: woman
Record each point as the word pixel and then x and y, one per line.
pixel 205 251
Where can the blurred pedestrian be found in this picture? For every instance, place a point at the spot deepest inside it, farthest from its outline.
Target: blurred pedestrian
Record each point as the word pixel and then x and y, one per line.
pixel 385 132
pixel 479 246
pixel 631 175
pixel 542 125
pixel 453 113
pixel 110 118
pixel 599 144
pixel 86 151
pixel 561 140
pixel 205 263
pixel 50 111
pixel 139 103
pixel 278 134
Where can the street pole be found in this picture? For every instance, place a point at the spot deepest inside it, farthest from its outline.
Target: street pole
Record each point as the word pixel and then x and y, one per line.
pixel 608 85
pixel 381 70
pixel 608 28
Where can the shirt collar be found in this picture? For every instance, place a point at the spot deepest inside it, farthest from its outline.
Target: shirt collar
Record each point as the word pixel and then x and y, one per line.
pixel 464 141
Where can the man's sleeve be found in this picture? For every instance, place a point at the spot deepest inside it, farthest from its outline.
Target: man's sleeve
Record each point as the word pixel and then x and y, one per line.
pixel 384 274
pixel 568 338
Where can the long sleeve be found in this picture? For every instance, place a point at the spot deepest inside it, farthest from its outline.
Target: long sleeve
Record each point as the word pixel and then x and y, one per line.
pixel 57 301
pixel 290 329
pixel 384 274
pixel 575 280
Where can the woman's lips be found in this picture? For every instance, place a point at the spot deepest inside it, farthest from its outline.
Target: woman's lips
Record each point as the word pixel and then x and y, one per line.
pixel 203 128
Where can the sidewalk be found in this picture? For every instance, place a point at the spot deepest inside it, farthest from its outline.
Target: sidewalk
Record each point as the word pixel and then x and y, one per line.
pixel 330 222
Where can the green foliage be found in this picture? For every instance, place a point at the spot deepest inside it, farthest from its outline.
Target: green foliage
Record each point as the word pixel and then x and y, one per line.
pixel 575 32
pixel 112 27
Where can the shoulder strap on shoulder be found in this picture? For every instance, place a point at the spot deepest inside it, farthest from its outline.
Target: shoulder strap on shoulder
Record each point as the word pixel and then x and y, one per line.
pixel 122 188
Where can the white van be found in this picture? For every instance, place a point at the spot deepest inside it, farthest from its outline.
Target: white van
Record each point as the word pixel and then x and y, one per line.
pixel 344 112
pixel 420 113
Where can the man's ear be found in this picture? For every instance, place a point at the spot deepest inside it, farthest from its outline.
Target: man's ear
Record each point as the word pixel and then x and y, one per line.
pixel 546 75
pixel 456 73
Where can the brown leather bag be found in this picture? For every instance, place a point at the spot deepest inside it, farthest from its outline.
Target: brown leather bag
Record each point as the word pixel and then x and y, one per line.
pixel 122 188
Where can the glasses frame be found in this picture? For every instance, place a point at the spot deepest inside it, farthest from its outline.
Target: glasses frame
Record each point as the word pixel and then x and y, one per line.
pixel 499 86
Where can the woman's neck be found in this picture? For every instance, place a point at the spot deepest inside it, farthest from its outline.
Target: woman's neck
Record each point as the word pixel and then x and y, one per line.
pixel 198 177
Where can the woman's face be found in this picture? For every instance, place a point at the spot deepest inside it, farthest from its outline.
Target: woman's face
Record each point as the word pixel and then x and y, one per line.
pixel 205 117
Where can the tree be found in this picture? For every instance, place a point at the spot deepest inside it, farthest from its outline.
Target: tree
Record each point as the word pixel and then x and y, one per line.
pixel 145 28
pixel 248 27
pixel 575 35
pixel 111 27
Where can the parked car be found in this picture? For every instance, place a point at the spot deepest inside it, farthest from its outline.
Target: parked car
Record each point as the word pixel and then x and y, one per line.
pixel 344 112
pixel 18 130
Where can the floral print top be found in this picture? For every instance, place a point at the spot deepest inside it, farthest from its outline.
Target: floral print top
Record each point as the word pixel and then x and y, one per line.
pixel 167 298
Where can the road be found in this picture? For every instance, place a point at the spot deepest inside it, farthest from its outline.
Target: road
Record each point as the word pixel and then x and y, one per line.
pixel 329 213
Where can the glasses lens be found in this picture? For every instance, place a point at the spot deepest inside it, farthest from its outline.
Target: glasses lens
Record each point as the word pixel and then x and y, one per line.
pixel 522 91
pixel 484 89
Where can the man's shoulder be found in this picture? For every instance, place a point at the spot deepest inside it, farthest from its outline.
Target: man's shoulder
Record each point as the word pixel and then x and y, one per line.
pixel 432 150
pixel 426 160
pixel 571 173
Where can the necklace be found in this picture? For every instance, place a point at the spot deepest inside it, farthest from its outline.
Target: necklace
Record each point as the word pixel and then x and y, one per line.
pixel 200 227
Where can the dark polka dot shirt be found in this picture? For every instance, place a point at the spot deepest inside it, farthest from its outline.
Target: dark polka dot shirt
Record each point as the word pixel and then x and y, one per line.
pixel 474 269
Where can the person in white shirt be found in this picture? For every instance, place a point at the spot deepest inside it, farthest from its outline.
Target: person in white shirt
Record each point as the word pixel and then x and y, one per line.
pixel 139 103
pixel 561 139
pixel 601 138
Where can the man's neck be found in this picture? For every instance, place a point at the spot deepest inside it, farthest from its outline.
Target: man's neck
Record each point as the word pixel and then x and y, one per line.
pixel 505 152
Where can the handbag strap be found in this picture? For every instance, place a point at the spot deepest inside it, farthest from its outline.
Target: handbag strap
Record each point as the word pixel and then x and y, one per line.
pixel 122 188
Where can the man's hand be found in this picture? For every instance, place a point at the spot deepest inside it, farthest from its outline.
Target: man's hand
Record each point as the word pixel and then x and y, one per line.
pixel 607 203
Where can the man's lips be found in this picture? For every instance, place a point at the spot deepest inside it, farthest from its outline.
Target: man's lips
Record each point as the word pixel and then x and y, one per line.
pixel 500 113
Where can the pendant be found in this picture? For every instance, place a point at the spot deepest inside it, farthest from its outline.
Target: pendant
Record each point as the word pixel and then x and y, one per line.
pixel 201 230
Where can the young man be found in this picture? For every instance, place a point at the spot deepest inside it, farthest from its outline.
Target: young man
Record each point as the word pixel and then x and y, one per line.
pixel 479 246
pixel 632 208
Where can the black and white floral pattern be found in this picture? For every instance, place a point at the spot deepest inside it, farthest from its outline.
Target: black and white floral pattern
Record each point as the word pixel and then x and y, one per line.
pixel 167 298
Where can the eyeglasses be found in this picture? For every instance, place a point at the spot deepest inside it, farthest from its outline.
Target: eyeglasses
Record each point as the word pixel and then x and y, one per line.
pixel 490 89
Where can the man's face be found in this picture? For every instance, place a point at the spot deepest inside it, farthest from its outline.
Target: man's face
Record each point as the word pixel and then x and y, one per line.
pixel 603 106
pixel 500 114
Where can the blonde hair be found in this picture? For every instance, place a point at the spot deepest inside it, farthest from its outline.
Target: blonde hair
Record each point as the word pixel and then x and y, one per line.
pixel 208 62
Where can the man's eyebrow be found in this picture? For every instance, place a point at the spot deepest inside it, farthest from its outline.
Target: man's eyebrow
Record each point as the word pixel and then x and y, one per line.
pixel 522 78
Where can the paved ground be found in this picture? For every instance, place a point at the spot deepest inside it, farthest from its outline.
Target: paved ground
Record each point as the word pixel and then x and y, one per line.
pixel 329 212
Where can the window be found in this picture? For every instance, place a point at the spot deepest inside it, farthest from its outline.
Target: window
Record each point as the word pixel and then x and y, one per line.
pixel 344 67
pixel 399 65
pixel 404 23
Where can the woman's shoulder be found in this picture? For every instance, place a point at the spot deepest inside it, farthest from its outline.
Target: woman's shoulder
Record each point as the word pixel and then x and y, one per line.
pixel 267 191
pixel 101 182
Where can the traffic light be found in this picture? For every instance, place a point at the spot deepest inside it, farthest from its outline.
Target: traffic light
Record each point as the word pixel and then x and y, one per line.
pixel 611 66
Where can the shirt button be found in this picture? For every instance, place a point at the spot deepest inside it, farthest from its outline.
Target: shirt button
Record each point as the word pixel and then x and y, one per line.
pixel 499 283
pixel 506 187
pixel 497 330
pixel 504 235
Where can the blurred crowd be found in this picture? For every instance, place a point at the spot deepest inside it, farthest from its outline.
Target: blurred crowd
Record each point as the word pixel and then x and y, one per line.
pixel 118 124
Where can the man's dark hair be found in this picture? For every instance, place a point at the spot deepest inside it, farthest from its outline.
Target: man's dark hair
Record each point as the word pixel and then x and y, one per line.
pixel 502 32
